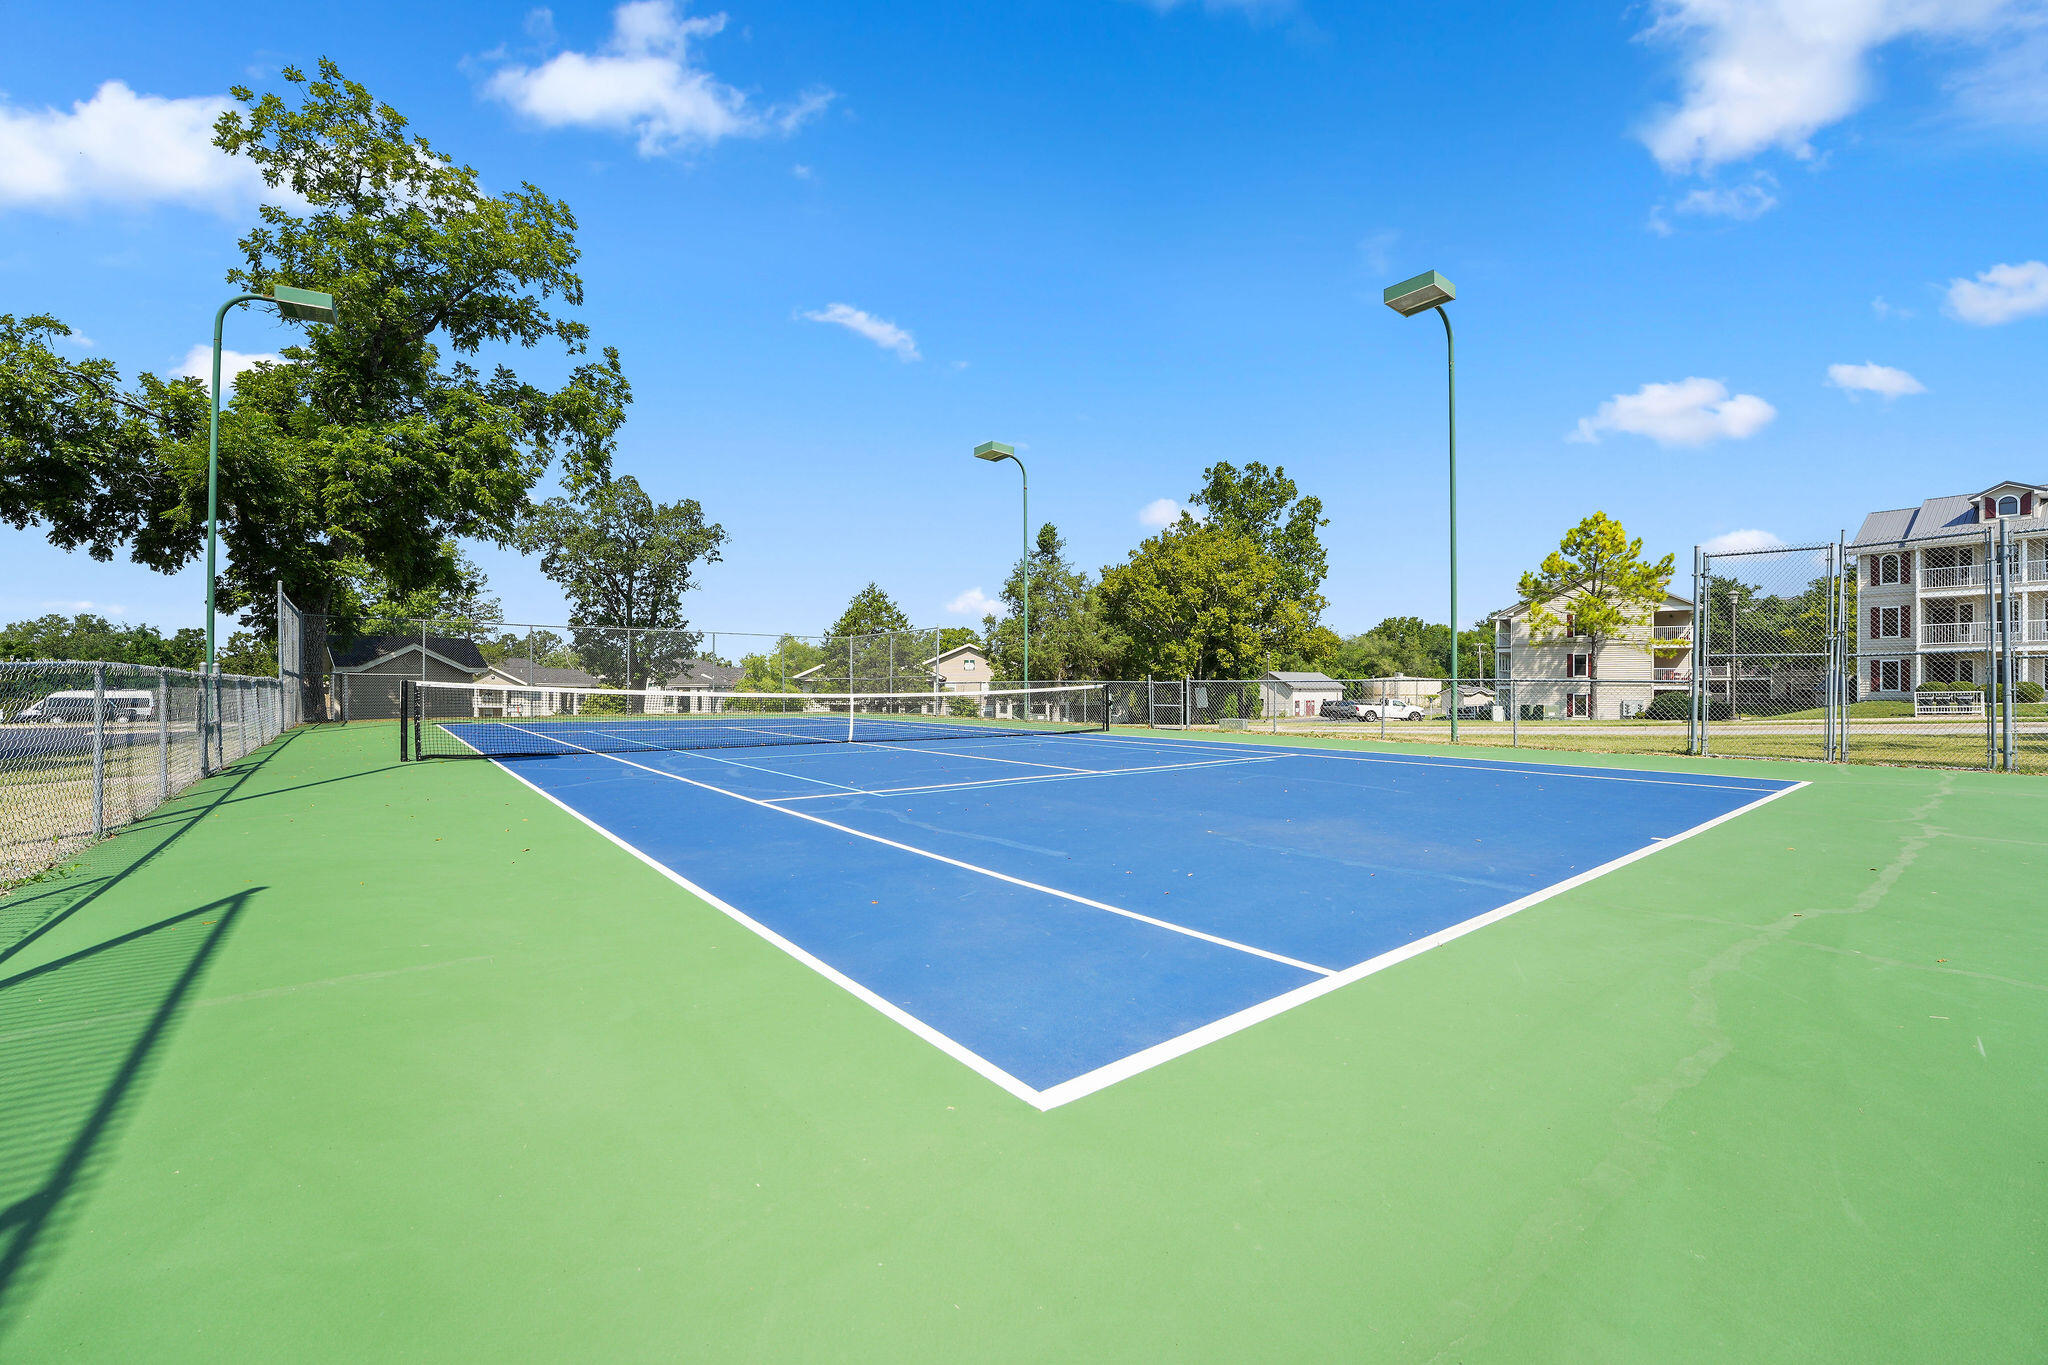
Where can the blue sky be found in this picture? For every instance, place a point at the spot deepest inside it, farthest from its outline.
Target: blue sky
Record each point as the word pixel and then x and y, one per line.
pixel 1725 270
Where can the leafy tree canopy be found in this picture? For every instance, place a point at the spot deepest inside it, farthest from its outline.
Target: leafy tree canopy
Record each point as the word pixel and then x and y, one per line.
pixel 382 438
pixel 624 562
pixel 1070 638
pixel 1599 577
pixel 1266 506
pixel 1204 600
pixel 92 638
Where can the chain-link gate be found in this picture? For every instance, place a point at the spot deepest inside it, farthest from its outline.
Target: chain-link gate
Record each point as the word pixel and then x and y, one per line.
pixel 1166 703
pixel 1767 675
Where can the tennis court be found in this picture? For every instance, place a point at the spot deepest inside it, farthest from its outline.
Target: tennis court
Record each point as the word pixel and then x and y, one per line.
pixel 1059 907
pixel 339 1058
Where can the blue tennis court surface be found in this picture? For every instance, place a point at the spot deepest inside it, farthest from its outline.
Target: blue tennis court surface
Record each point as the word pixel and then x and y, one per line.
pixel 1060 912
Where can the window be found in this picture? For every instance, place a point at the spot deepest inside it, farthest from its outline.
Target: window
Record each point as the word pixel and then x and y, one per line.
pixel 1890 623
pixel 1888 569
pixel 1578 704
pixel 2008 506
pixel 1581 666
pixel 1571 623
pixel 967 665
pixel 1891 675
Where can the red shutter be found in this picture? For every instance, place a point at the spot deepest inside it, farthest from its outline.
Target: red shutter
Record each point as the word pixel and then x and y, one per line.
pixel 1873 675
pixel 1905 623
pixel 1990 508
pixel 1873 570
pixel 2026 504
pixel 1873 623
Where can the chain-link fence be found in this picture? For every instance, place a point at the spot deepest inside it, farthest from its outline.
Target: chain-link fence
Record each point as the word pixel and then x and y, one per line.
pixel 86 748
pixel 1581 713
pixel 1767 652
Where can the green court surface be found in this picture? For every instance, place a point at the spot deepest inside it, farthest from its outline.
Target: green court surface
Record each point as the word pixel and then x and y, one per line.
pixel 334 1059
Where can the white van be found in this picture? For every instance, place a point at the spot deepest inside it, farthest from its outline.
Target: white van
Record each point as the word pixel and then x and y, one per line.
pixel 116 705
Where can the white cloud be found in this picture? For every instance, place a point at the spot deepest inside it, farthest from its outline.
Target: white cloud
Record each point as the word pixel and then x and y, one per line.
pixel 1870 377
pixel 800 171
pixel 198 364
pixel 100 608
pixel 1159 512
pixel 1887 311
pixel 1734 542
pixel 1772 73
pixel 974 602
pixel 2003 293
pixel 1692 412
pixel 646 81
pixel 1741 202
pixel 122 148
pixel 883 333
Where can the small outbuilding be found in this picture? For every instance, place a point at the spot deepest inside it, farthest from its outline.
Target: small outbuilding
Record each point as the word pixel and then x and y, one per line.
pixel 1297 695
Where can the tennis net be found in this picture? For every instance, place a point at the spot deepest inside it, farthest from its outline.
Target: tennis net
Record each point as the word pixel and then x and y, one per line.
pixel 489 720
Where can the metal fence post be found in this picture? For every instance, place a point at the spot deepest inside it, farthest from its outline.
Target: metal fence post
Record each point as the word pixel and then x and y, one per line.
pixel 99 750
pixel 163 736
pixel 2003 687
pixel 1990 650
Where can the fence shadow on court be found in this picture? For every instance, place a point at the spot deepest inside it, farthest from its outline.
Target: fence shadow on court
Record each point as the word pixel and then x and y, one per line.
pixel 34 908
pixel 79 1039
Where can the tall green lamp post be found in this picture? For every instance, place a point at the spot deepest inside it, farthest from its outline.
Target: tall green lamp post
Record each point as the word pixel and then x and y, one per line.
pixel 1426 291
pixel 995 452
pixel 299 305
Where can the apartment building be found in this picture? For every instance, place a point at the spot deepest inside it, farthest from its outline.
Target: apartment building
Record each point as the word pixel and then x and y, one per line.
pixel 1566 677
pixel 1926 590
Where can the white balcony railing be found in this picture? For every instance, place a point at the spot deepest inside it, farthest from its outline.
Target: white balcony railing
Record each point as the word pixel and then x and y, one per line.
pixel 1956 576
pixel 1671 632
pixel 1957 633
pixel 2036 571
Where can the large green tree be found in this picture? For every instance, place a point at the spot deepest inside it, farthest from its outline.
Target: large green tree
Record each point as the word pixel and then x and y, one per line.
pixel 1595 586
pixel 1070 637
pixel 1204 600
pixel 382 438
pixel 872 646
pixel 1265 505
pixel 624 562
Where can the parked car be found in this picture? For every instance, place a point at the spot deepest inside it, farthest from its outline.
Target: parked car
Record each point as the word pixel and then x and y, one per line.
pixel 1392 710
pixel 78 706
pixel 1341 709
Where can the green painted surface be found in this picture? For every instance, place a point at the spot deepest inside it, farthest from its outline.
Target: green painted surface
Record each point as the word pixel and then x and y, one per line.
pixel 338 1060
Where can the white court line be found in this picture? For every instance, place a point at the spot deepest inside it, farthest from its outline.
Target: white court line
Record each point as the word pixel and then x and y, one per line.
pixel 1181 746
pixel 1092 904
pixel 985 758
pixel 1089 1082
pixel 1031 779
pixel 973 1060
pixel 720 758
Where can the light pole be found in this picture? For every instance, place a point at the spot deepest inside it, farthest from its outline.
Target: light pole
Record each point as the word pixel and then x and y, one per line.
pixel 1426 291
pixel 300 305
pixel 995 452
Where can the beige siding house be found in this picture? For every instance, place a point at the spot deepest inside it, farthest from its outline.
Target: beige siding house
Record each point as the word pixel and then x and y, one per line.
pixel 1565 678
pixel 963 668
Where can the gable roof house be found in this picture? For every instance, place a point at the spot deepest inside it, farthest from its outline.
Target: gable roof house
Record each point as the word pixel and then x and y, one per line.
pixel 1297 694
pixel 368 670
pixel 963 668
pixel 1924 576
